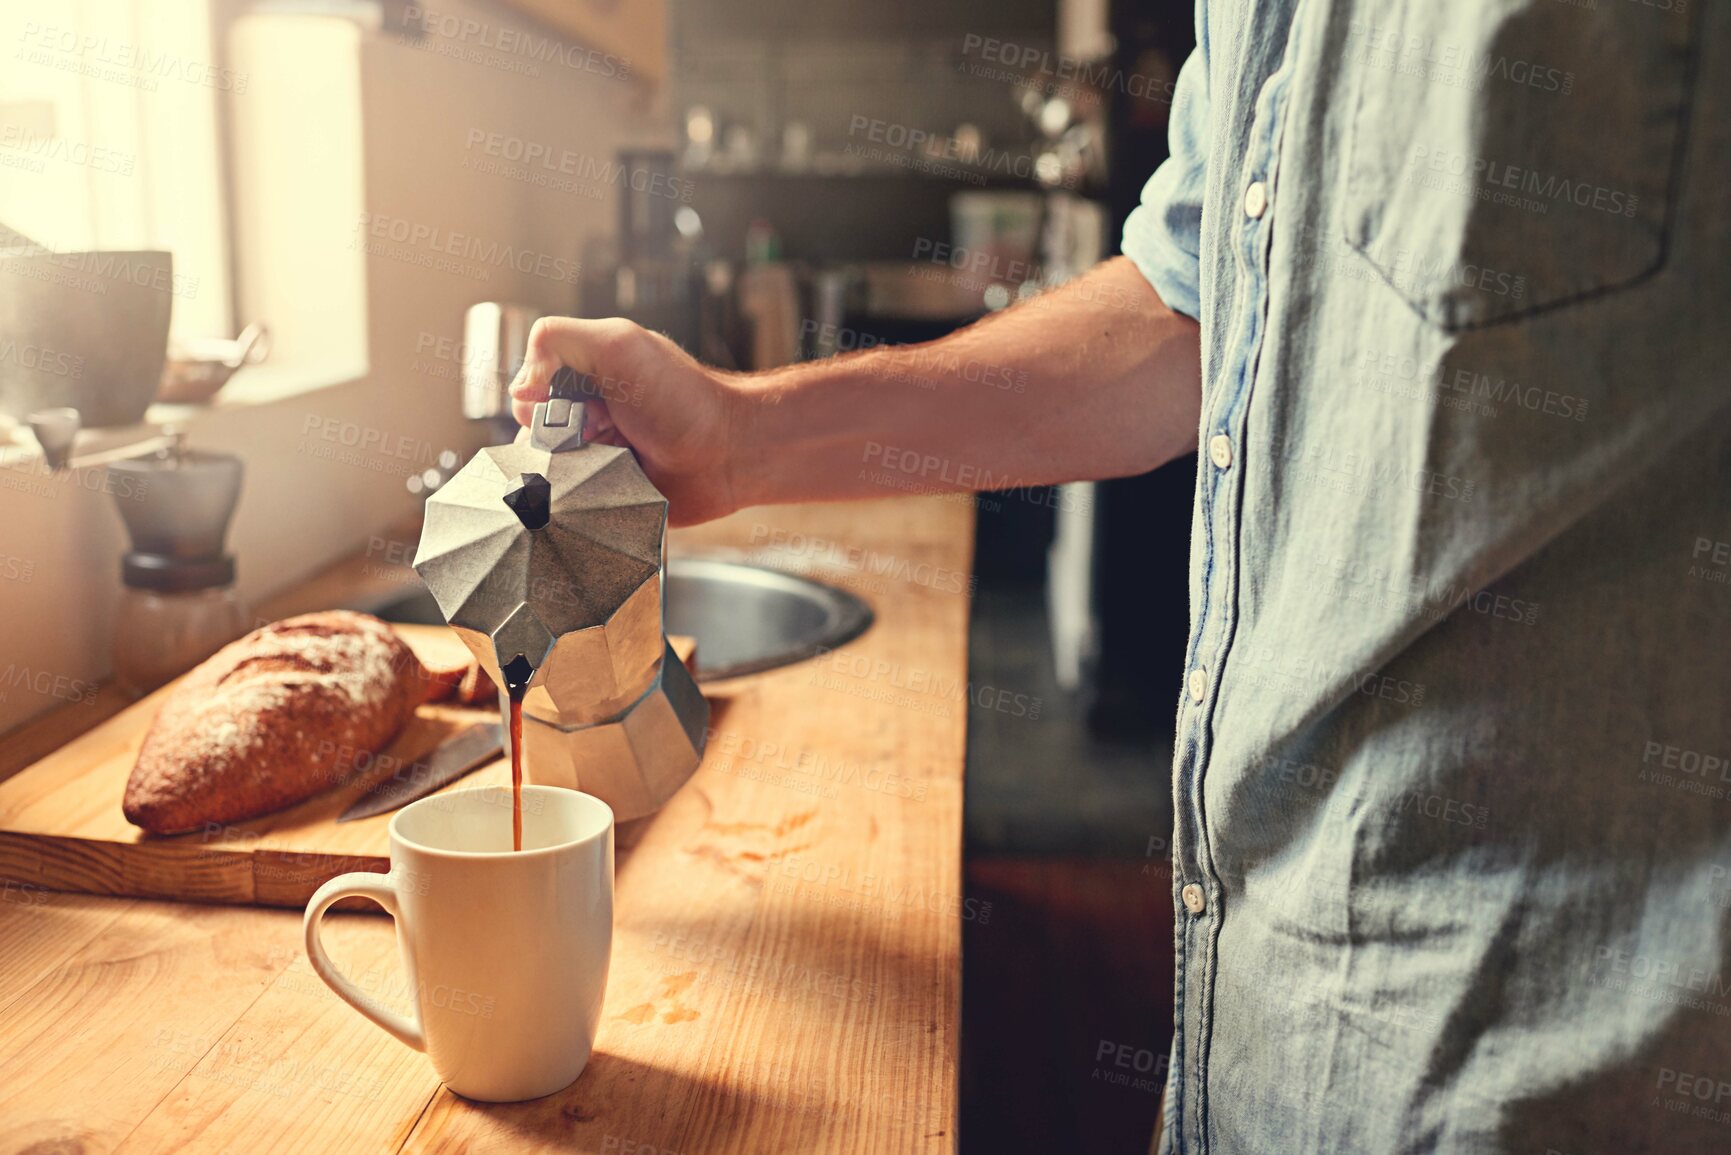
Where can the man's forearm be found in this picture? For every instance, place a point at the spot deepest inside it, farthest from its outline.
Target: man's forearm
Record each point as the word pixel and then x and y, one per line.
pixel 1095 379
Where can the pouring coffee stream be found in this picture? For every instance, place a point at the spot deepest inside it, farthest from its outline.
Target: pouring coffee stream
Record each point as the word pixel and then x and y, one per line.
pixel 517 673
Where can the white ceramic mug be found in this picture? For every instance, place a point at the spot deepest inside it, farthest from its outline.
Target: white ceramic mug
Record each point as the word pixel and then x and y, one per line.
pixel 505 952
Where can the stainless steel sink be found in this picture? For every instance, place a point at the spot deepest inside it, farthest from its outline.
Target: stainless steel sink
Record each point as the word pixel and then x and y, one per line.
pixel 745 618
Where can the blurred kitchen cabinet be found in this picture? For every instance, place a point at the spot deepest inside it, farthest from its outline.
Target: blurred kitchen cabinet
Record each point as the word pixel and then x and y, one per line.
pixel 635 30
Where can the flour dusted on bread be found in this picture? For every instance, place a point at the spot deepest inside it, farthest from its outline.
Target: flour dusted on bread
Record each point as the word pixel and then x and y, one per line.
pixel 273 719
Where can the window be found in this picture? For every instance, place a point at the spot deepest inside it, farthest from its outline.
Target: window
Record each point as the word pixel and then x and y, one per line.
pixel 109 139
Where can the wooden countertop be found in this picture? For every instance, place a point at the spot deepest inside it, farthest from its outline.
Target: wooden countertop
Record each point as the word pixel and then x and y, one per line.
pixel 786 968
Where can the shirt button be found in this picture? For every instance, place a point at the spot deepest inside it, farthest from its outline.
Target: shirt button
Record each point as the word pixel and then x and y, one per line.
pixel 1220 450
pixel 1192 896
pixel 1198 684
pixel 1255 200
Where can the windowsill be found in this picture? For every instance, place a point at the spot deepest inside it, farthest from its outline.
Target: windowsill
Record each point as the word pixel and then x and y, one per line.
pixel 254 385
pixel 266 384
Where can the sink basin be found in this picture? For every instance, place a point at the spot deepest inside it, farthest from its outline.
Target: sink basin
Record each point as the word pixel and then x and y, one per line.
pixel 745 618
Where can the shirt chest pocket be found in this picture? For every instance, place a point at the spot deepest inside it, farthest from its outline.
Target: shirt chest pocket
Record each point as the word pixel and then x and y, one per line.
pixel 1507 158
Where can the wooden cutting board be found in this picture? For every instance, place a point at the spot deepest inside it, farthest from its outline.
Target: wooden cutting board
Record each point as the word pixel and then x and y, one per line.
pixel 61 825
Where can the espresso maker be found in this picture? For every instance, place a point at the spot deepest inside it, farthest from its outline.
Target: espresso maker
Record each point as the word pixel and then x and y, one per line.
pixel 548 556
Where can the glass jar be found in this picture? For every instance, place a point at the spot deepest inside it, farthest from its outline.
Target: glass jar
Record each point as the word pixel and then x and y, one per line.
pixel 160 635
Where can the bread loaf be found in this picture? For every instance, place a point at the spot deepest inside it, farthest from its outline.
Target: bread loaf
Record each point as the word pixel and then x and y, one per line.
pixel 273 719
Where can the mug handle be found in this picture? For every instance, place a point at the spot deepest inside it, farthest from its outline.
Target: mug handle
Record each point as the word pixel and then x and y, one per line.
pixel 378 887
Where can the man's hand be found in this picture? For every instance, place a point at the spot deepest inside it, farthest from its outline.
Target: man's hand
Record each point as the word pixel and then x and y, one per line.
pixel 652 398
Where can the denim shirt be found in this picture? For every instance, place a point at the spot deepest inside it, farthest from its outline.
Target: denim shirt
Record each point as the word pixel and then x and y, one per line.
pixel 1452 855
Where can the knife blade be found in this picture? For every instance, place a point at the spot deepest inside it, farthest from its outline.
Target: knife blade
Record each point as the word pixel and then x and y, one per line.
pixel 455 757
